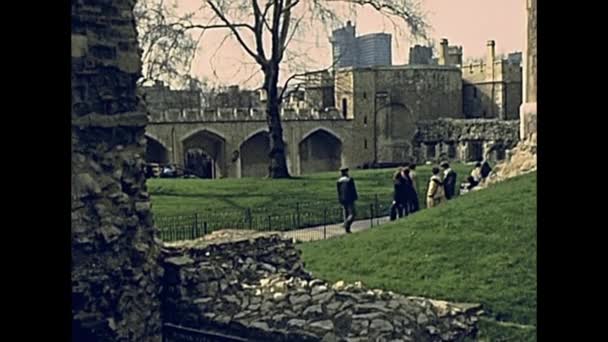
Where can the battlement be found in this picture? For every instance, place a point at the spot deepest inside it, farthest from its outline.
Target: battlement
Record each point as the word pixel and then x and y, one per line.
pixel 504 70
pixel 241 114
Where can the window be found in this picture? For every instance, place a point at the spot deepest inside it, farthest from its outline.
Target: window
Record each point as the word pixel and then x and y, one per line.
pixel 474 92
pixel 452 151
pixel 500 153
pixel 344 108
pixel 430 151
pixel 365 144
pixel 364 95
pixel 475 151
pixel 365 120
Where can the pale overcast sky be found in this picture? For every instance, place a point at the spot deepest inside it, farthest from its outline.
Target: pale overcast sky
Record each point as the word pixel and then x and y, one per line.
pixel 469 23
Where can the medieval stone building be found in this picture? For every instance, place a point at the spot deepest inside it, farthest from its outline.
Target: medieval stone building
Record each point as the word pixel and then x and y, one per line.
pixel 492 89
pixel 385 104
pixel 359 116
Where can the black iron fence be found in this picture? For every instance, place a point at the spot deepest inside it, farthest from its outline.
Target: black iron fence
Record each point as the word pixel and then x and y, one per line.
pixel 278 218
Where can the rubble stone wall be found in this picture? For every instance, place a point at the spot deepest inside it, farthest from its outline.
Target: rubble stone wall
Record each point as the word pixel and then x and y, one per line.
pixel 257 287
pixel 115 271
pixel 465 139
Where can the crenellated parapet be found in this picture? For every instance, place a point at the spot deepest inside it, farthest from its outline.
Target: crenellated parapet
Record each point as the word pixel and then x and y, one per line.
pixel 241 114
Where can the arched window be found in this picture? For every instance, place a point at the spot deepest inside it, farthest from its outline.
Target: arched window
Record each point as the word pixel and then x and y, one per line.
pixel 344 108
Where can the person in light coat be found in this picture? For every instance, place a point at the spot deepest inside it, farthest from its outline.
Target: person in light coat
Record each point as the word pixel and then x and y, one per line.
pixel 435 194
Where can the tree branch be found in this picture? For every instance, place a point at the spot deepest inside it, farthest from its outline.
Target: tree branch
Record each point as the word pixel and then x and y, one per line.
pixel 276 17
pixel 219 13
pixel 259 30
pixel 285 27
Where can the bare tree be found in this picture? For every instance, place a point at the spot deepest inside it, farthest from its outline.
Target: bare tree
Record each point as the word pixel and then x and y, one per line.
pixel 264 30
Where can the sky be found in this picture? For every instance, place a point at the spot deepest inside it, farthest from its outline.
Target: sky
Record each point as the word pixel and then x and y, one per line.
pixel 467 23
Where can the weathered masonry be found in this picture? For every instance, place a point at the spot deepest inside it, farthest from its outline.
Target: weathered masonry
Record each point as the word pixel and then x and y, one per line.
pixel 465 140
pixel 254 286
pixel 115 271
pixel 386 104
pixel 528 114
pixel 492 89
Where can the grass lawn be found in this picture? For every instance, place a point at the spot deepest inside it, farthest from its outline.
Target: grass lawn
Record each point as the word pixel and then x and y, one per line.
pixel 172 197
pixel 480 248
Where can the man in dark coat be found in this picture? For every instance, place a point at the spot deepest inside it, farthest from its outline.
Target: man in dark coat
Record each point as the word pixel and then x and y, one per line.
pixel 347 195
pixel 449 180
pixel 485 169
pixel 399 206
pixel 413 200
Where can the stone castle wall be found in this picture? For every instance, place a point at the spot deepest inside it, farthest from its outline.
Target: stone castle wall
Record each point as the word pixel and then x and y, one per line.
pixel 115 275
pixel 256 287
pixel 465 140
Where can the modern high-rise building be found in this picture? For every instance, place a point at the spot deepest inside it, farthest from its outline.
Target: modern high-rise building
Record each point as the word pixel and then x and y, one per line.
pixel 344 50
pixel 374 50
pixel 367 50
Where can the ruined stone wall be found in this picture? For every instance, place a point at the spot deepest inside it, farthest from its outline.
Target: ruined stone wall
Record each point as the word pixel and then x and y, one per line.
pixel 256 286
pixel 531 52
pixel 528 115
pixel 469 139
pixel 115 275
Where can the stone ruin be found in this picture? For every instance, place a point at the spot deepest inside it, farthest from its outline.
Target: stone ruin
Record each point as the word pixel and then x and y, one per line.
pixel 523 158
pixel 125 284
pixel 255 286
pixel 115 270
pixel 465 139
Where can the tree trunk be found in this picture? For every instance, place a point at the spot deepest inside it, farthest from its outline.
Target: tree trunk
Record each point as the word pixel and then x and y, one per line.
pixel 278 161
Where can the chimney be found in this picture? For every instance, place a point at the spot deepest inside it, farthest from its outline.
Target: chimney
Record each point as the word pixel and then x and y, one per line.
pixel 443 52
pixel 491 53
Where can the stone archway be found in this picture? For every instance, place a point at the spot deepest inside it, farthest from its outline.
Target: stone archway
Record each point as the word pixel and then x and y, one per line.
pixel 199 162
pixel 396 127
pixel 156 152
pixel 254 155
pixel 320 151
pixel 204 153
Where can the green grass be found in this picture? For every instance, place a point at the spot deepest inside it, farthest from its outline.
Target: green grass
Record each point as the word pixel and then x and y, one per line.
pixel 480 248
pixel 172 197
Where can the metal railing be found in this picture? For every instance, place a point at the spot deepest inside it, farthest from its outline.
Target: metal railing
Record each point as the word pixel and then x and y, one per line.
pixel 277 218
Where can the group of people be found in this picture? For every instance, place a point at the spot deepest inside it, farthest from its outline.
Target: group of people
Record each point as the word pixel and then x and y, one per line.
pixel 479 174
pixel 442 187
pixel 405 194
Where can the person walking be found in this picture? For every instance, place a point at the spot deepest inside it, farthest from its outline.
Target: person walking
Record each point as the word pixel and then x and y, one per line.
pixel 449 180
pixel 347 195
pixel 435 193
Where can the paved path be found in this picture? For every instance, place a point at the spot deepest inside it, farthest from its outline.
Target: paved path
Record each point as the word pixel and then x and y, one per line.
pixel 333 230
